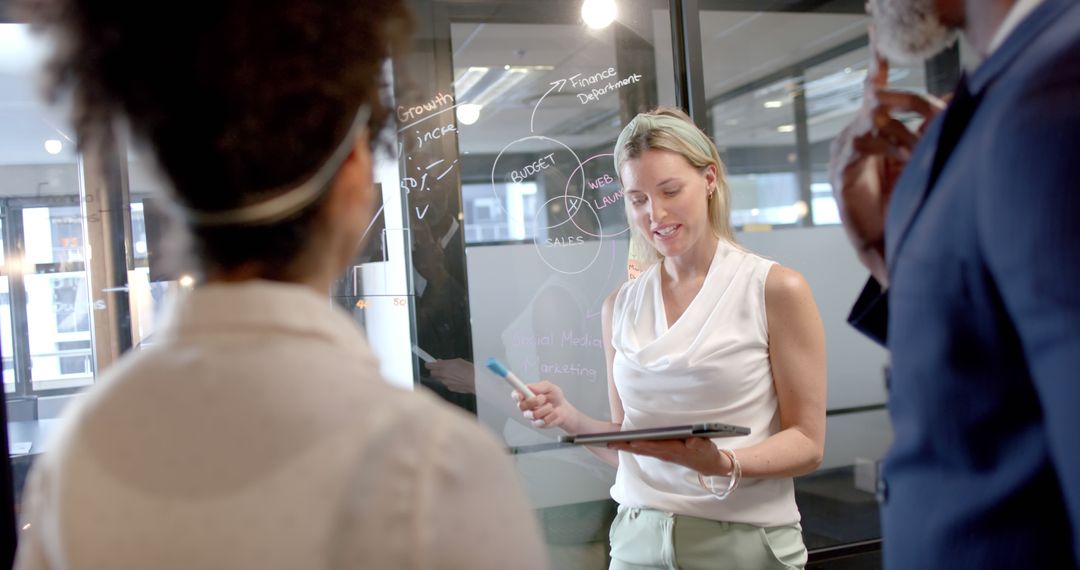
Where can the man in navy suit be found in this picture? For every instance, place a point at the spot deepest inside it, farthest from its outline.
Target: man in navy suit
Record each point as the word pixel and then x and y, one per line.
pixel 970 227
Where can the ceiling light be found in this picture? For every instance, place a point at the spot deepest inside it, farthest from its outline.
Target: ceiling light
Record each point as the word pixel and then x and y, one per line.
pixel 598 14
pixel 468 113
pixel 786 128
pixel 774 104
pixel 53 146
pixel 187 281
pixel 468 79
pixel 511 76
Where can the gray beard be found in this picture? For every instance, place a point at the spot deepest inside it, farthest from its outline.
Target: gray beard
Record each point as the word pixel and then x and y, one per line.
pixel 909 31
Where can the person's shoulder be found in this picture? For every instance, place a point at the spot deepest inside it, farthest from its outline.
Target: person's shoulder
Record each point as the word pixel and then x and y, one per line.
pixel 785 286
pixel 1027 127
pixel 1043 81
pixel 109 390
pixel 422 415
pixel 114 381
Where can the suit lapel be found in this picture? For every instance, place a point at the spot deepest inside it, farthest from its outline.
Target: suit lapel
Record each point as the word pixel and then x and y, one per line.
pixel 911 190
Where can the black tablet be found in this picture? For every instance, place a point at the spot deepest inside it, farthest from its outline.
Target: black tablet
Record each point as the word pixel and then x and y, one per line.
pixel 708 430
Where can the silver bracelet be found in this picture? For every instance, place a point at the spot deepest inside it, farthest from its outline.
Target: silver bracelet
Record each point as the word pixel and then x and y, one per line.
pixel 733 479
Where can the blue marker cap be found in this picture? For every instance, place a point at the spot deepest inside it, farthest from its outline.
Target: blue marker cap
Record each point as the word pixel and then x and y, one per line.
pixel 497 367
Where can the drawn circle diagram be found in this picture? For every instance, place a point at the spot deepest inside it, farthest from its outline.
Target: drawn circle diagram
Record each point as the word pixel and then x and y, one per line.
pixel 520 171
pixel 600 192
pixel 566 251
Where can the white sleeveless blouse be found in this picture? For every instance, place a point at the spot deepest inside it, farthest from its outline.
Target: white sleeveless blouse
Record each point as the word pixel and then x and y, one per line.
pixel 712 365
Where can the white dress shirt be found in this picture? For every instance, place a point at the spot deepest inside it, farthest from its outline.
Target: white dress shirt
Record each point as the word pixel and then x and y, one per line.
pixel 257 433
pixel 1016 14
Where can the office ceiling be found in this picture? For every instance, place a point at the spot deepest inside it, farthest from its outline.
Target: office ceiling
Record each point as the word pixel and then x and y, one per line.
pixel 27 124
pixel 740 49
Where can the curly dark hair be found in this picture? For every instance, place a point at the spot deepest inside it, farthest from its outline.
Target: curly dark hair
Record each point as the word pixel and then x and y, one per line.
pixel 237 99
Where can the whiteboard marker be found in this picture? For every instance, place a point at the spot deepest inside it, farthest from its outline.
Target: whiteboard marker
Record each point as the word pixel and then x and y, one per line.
pixel 498 368
pixel 423 354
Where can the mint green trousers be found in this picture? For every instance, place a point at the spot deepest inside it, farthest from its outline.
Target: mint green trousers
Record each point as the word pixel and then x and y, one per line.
pixel 649 539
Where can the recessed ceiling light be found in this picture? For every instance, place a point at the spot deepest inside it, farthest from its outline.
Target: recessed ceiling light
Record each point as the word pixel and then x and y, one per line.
pixel 510 77
pixel 53 146
pixel 774 104
pixel 786 128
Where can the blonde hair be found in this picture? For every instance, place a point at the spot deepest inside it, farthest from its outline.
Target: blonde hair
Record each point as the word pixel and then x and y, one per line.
pixel 670 129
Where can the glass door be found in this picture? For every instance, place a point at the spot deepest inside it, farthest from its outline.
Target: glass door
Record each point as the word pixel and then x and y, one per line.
pixel 54 316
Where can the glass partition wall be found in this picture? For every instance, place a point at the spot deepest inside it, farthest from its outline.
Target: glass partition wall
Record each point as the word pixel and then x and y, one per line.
pixel 541 96
pixel 538 97
pixel 500 229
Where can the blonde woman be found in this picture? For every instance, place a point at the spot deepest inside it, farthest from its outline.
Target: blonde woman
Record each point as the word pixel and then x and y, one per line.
pixel 708 332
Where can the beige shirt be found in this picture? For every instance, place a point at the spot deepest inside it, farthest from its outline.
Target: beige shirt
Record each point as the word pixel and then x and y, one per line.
pixel 257 433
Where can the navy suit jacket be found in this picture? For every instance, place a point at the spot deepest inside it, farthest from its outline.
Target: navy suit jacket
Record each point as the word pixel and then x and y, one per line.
pixel 982 317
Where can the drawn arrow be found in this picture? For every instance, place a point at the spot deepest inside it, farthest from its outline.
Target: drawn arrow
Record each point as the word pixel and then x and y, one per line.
pixel 554 85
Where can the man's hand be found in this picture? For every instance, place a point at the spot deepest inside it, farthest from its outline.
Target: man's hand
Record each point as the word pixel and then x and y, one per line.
pixel 867 159
pixel 458 375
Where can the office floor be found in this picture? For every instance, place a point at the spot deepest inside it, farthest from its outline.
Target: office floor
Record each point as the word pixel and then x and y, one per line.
pixel 833 511
pixel 863 561
pixel 834 514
